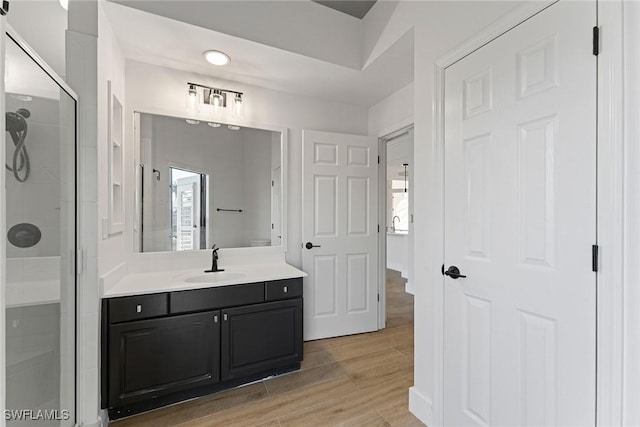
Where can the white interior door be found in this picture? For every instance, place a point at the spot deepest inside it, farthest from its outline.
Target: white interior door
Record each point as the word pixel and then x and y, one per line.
pixel 520 222
pixel 340 220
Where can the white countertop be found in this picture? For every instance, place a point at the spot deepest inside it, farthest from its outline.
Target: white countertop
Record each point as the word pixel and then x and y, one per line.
pixel 167 281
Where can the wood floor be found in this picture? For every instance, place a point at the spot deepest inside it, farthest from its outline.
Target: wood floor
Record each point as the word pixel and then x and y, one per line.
pixel 358 380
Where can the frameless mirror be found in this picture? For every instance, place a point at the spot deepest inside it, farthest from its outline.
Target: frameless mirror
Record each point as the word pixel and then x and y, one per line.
pixel 200 184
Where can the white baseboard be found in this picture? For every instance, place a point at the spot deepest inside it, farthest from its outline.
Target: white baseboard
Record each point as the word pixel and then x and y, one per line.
pixel 395 266
pixel 421 407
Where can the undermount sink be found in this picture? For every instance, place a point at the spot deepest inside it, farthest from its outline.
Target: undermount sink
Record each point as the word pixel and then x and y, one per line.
pixel 219 276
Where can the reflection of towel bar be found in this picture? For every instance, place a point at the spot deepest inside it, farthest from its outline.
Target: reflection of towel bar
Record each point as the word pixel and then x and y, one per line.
pixel 229 210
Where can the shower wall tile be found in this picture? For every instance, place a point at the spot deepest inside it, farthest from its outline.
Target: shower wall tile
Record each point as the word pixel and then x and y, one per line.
pixel 15 270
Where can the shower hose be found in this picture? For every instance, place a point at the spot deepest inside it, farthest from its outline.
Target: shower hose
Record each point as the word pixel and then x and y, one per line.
pixel 21 164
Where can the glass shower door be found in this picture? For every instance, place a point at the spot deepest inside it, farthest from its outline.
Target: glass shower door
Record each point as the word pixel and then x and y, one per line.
pixel 40 180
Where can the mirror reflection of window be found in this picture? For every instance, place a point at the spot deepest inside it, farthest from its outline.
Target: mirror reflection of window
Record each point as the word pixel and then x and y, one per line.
pixel 188 210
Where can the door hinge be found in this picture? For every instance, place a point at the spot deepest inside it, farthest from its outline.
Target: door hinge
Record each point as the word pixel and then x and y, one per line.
pixel 378 297
pixel 79 262
pixel 596 41
pixel 378 159
pixel 378 228
pixel 594 258
pixel 272 183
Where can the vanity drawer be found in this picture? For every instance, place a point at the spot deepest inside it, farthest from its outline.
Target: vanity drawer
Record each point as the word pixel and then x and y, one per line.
pixel 137 307
pixel 283 289
pixel 218 297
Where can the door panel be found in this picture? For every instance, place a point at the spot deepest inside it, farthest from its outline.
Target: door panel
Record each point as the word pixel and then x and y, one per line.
pixel 261 336
pixel 340 218
pixel 520 219
pixel 150 358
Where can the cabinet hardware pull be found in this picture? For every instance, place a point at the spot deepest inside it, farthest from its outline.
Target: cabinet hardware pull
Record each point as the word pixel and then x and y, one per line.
pixel 139 308
pixel 215 319
pixel 225 317
pixel 285 289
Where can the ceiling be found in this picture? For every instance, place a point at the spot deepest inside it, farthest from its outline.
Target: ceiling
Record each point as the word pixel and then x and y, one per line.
pixel 357 9
pixel 161 41
pixel 42 23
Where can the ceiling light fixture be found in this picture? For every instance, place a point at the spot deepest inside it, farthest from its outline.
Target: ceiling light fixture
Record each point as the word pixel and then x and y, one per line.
pixel 214 125
pixel 193 122
pixel 216 57
pixel 234 127
pixel 405 176
pixel 215 97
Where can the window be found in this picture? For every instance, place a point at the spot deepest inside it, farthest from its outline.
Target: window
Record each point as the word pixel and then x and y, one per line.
pixel 399 206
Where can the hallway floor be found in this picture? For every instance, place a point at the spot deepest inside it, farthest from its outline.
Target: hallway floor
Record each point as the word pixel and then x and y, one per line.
pixel 357 380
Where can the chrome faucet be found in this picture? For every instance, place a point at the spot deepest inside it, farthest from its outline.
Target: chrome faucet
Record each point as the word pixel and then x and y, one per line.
pixel 214 261
pixel 393 221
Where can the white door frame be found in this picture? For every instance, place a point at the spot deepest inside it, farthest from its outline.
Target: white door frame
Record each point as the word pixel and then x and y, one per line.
pixel 611 213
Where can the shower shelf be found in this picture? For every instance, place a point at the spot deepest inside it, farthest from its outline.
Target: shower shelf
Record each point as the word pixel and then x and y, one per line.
pixel 115 221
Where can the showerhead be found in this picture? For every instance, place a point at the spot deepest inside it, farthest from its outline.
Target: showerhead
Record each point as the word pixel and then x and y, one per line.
pixel 16 122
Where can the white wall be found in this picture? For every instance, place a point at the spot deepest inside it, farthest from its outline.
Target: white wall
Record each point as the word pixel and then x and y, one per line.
pixel 111 67
pixel 392 113
pixel 159 90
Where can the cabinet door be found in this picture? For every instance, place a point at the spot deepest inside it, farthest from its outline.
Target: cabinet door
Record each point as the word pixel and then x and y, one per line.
pixel 260 337
pixel 150 358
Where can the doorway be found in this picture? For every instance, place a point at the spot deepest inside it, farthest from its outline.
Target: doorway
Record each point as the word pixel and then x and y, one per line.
pixel 398 203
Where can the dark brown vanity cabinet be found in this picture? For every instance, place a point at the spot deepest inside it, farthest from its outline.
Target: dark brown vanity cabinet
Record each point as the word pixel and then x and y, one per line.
pixel 257 337
pixel 161 348
pixel 155 357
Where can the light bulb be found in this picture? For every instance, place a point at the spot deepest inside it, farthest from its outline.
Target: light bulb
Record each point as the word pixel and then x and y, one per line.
pixel 215 98
pixel 238 106
pixel 193 102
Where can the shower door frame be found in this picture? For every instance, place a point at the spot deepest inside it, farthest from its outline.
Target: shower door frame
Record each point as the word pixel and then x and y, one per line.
pixel 11 35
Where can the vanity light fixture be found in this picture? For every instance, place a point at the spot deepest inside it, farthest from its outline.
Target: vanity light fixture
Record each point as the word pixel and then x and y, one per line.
pixel 216 57
pixel 234 127
pixel 405 176
pixel 193 122
pixel 214 125
pixel 215 97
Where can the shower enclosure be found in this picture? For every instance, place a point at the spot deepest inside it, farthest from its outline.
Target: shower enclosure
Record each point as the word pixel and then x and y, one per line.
pixel 40 223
